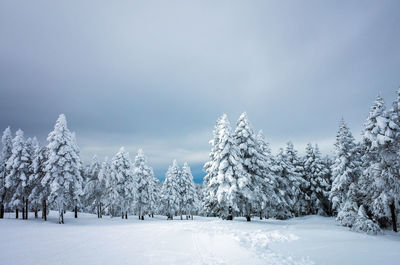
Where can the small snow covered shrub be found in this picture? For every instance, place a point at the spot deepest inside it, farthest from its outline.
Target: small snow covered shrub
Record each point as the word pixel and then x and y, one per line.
pixel 363 224
pixel 348 214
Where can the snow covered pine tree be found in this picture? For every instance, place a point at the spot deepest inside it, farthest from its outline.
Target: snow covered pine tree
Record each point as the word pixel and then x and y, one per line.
pixel 143 177
pixel 62 167
pixel 6 153
pixel 17 168
pixel 381 179
pixel 170 191
pixel 221 191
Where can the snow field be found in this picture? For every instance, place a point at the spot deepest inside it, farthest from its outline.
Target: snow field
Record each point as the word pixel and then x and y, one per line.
pixel 88 240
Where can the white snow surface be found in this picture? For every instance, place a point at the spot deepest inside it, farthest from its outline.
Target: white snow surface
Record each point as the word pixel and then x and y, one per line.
pixel 88 240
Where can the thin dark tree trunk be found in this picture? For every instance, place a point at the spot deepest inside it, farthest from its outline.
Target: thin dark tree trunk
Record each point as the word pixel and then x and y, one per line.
pixel 44 210
pixel 230 215
pixel 2 210
pixel 126 215
pixel 76 211
pixel 36 213
pixel 62 217
pixel 152 215
pixel 393 212
pixel 122 215
pixel 261 215
pixel 26 209
pixel 16 213
pixel 2 206
pixel 23 208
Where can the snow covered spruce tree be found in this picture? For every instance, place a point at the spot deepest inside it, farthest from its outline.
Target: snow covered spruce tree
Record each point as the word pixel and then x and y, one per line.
pixel 317 175
pixel 62 167
pixel 6 153
pixel 381 181
pixel 170 190
pixel 143 177
pixel 282 188
pixel 95 188
pixel 251 158
pixel 104 175
pixel 154 194
pixel 221 190
pixel 39 183
pixel 121 184
pixel 346 168
pixel 18 174
pixel 32 147
pixel 266 198
pixel 188 190
pixel 295 173
pixel 76 190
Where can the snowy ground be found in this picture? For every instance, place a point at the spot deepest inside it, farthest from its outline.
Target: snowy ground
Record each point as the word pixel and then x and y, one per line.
pixel 87 240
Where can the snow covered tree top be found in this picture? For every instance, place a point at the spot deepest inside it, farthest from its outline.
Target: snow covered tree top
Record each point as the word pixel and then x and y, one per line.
pixel 379 130
pixel 140 158
pixel 186 168
pixel 6 141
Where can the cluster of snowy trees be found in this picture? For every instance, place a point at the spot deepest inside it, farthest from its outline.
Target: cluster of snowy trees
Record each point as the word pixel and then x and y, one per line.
pixel 366 176
pixel 34 178
pixel 360 184
pixel 31 176
pixel 178 192
pixel 244 178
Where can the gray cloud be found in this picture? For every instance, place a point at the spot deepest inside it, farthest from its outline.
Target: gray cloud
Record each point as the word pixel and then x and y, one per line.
pixel 157 74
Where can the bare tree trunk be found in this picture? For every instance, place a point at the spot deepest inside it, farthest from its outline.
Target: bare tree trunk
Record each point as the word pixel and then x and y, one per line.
pixel 261 215
pixel 2 206
pixel 122 215
pixel 126 215
pixel 23 208
pixel 393 212
pixel 16 213
pixel 230 215
pixel 76 211
pixel 2 210
pixel 26 209
pixel 62 216
pixel 44 210
pixel 101 215
pixel 36 213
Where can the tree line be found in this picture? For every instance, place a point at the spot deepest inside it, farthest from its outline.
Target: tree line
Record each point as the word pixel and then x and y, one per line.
pixel 360 184
pixel 34 178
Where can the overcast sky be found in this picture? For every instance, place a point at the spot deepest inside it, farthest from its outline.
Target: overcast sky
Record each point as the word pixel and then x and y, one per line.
pixel 157 74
